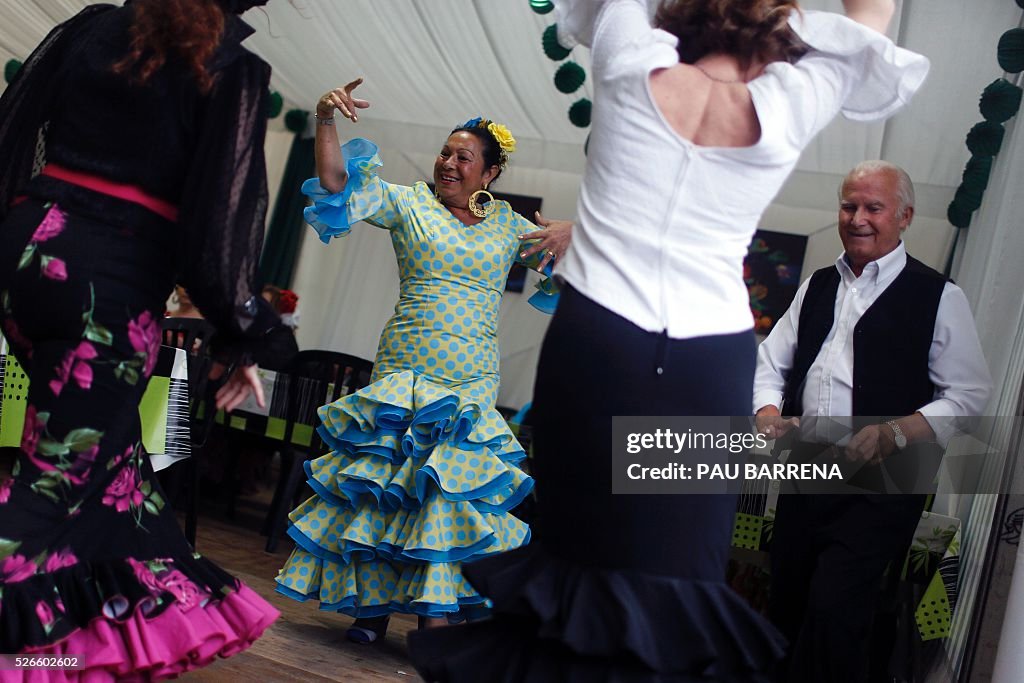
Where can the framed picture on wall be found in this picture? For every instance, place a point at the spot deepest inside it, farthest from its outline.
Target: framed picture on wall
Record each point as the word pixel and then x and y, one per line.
pixel 771 272
pixel 525 206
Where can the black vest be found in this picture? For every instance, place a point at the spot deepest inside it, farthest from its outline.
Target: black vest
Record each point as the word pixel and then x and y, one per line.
pixel 890 342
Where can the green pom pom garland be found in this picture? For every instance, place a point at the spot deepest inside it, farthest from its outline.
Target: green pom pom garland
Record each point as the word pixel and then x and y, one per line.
pixel 569 77
pixel 275 103
pixel 985 139
pixel 1010 51
pixel 295 120
pixel 579 112
pixel 552 48
pixel 1000 100
pixel 11 68
pixel 541 6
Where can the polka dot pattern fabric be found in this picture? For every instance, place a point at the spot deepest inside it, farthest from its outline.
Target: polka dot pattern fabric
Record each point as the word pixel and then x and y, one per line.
pixel 423 470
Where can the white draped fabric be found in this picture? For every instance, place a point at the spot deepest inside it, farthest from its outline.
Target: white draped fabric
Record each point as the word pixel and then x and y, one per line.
pixel 990 272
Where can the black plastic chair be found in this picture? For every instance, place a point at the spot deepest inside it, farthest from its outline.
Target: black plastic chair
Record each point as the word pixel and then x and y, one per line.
pixel 193 335
pixel 315 378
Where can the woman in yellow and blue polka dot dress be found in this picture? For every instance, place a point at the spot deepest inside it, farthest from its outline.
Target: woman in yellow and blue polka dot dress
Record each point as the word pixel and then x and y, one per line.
pixel 423 473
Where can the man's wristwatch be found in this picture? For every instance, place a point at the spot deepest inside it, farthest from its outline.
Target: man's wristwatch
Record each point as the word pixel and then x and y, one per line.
pixel 897 435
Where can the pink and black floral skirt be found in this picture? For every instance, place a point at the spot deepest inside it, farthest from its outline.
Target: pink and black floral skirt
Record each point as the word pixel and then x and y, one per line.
pixel 92 562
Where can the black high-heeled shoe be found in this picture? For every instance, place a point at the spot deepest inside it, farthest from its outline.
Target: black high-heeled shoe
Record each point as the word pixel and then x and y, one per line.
pixel 365 631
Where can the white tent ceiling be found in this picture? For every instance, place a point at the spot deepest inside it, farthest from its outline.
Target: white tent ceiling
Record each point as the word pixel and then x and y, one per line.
pixel 433 63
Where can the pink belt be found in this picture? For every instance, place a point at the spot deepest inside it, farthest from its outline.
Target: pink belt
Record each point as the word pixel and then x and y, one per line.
pixel 130 193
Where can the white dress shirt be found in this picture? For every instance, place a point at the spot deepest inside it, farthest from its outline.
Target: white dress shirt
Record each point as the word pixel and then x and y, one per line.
pixel 663 224
pixel 956 365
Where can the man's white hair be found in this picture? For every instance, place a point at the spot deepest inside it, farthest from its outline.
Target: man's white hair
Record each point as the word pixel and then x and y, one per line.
pixel 904 186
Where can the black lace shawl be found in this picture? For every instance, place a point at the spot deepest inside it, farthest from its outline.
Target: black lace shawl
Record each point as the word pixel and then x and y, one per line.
pixel 222 198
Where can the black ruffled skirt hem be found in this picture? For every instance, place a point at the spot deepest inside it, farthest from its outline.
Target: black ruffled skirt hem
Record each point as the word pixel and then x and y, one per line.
pixel 556 621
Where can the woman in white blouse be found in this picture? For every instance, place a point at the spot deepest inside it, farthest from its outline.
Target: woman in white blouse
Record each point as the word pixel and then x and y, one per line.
pixel 700 114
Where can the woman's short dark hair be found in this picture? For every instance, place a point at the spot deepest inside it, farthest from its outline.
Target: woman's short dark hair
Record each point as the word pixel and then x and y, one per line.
pixel 750 30
pixel 493 155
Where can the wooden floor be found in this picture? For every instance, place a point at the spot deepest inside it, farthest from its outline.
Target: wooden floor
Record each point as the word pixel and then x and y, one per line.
pixel 305 644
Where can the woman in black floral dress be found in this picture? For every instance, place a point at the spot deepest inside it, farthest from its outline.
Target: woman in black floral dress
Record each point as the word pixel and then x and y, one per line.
pixel 154 123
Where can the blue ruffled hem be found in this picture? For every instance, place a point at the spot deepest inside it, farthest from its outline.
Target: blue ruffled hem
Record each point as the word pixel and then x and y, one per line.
pixel 352 550
pixel 329 214
pixel 387 551
pixel 509 503
pixel 420 476
pixel 322 490
pixel 467 607
pixel 427 474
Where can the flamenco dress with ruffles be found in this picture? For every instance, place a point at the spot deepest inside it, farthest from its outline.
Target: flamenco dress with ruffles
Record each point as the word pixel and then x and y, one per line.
pixel 423 470
pixel 631 588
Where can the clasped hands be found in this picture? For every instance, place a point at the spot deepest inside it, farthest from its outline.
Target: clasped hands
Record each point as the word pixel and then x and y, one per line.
pixel 871 445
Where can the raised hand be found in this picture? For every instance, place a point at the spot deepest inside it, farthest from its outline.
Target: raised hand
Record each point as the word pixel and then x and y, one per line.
pixel 342 100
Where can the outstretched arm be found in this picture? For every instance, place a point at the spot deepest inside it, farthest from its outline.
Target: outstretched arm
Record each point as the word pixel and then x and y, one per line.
pixel 874 14
pixel 330 166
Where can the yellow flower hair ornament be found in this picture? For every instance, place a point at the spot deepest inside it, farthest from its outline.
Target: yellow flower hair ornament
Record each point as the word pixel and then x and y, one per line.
pixel 501 134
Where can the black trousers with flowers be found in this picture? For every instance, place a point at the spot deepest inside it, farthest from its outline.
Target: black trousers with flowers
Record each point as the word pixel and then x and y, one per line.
pixel 85 530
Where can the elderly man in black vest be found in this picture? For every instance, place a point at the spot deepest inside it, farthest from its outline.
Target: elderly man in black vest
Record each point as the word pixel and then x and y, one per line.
pixel 877 334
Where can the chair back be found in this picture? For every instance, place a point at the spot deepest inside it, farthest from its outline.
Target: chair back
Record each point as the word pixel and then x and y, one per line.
pixel 317 377
pixel 193 335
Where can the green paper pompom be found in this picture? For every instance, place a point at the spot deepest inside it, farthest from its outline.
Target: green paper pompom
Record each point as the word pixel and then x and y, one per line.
pixel 552 48
pixel 579 112
pixel 1010 51
pixel 541 6
pixel 569 77
pixel 274 104
pixel 976 173
pixel 968 197
pixel 1000 100
pixel 958 215
pixel 985 139
pixel 295 120
pixel 11 68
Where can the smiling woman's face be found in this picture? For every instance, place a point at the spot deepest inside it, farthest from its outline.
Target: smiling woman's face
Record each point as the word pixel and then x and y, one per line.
pixel 459 170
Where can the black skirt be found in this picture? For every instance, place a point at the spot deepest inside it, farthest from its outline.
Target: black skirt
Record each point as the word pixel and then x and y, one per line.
pixel 616 587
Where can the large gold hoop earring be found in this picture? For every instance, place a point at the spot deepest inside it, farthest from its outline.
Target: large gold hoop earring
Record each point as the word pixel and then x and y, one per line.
pixel 481 211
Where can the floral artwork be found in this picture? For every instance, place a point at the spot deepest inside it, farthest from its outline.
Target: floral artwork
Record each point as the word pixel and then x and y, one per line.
pixel 771 273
